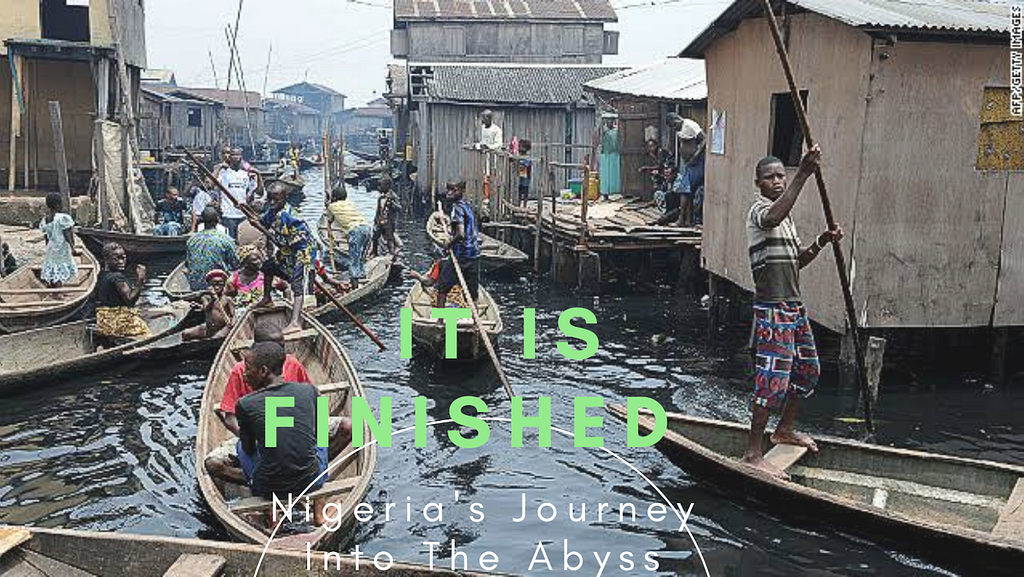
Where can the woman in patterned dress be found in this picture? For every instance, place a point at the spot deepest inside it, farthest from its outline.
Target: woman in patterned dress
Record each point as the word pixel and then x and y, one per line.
pixel 59 265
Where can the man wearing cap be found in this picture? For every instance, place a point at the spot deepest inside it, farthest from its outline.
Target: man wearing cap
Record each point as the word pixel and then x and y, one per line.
pixel 690 140
pixel 207 250
pixel 295 257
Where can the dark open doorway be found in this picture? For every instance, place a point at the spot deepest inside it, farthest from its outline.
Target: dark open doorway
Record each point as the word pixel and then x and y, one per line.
pixel 65 19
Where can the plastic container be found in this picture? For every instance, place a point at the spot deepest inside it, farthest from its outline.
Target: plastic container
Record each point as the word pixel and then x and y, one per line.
pixel 576 186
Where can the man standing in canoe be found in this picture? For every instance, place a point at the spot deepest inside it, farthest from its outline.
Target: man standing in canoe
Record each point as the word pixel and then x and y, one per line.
pixel 464 244
pixel 786 366
pixel 296 249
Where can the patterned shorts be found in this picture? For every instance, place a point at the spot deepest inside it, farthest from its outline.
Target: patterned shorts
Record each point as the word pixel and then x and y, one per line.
pixel 787 359
pixel 121 322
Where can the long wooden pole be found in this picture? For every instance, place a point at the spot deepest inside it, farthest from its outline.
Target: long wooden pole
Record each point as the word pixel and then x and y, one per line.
pixel 326 146
pixel 60 157
pixel 480 327
pixel 826 205
pixel 254 220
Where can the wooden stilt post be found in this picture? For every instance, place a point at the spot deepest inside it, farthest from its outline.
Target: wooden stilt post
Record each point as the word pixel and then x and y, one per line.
pixel 539 222
pixel 101 174
pixel 12 169
pixel 59 156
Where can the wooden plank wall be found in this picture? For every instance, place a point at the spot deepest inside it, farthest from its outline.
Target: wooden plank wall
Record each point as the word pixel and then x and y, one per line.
pixel 69 83
pixel 132 25
pixel 928 224
pixel 743 73
pixel 1009 308
pixel 454 126
pixel 519 42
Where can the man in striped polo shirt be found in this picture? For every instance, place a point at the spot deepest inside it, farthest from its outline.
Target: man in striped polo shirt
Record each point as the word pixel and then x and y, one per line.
pixel 786 366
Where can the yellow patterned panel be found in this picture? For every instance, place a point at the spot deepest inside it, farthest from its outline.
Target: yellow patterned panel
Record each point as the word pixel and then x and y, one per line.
pixel 1001 135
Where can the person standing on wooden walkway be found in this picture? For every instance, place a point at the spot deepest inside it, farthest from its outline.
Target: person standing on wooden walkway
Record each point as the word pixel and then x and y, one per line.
pixel 786 365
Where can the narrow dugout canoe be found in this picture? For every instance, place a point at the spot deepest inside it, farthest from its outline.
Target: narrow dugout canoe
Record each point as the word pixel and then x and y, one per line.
pixel 70 553
pixel 46 356
pixel 430 332
pixel 135 245
pixel 494 254
pixel 331 370
pixel 968 510
pixel 377 272
pixel 27 303
pixel 176 285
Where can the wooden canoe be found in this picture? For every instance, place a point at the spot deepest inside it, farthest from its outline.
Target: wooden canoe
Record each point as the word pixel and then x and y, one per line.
pixel 331 370
pixel 38 552
pixel 135 245
pixel 176 285
pixel 430 332
pixel 340 239
pixel 47 356
pixel 494 254
pixel 26 302
pixel 377 272
pixel 970 509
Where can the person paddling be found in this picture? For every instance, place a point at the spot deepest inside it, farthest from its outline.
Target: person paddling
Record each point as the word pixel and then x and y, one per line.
pixel 787 366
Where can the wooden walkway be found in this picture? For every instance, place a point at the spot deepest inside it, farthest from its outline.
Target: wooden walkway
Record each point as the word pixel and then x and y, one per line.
pixel 626 224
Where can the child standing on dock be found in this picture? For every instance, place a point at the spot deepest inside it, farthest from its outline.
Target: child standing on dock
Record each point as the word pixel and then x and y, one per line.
pixel 786 366
pixel 525 171
pixel 59 265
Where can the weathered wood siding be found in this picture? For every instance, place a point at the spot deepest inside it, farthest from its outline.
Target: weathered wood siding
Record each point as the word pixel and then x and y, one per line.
pixel 1009 309
pixel 928 224
pixel 21 19
pixel 69 83
pixel 165 124
pixel 521 42
pixel 447 128
pixel 743 73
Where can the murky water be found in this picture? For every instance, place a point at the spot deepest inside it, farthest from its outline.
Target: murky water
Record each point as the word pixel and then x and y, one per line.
pixel 115 451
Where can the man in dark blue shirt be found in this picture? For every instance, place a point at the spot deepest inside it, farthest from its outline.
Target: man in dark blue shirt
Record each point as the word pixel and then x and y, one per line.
pixel 464 243
pixel 691 173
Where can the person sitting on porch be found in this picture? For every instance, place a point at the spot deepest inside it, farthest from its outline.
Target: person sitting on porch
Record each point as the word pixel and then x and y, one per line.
pixel 491 137
pixel 170 214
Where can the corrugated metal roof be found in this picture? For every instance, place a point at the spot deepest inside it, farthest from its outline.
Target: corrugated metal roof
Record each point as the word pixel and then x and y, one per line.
pixel 542 85
pixel 295 107
pixel 302 88
pixel 229 98
pixel 593 10
pixel 959 16
pixel 669 79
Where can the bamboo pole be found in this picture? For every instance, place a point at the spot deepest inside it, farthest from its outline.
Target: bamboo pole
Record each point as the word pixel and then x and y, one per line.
pixel 826 206
pixel 254 220
pixel 327 195
pixel 480 327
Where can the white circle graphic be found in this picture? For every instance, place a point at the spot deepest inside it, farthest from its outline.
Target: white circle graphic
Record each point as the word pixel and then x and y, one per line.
pixel 569 434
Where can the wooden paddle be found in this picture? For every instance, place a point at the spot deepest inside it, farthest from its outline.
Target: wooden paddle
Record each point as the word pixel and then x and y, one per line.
pixel 254 220
pixel 480 327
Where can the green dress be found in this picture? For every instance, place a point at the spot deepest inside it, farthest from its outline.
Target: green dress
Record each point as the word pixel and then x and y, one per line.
pixel 610 164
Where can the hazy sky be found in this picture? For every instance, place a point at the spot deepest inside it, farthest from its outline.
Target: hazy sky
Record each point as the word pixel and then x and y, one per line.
pixel 344 44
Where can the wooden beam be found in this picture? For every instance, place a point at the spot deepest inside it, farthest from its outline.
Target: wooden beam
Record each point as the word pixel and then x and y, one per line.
pixel 12 169
pixel 254 504
pixel 1010 524
pixel 192 565
pixel 785 456
pixel 11 537
pixel 59 154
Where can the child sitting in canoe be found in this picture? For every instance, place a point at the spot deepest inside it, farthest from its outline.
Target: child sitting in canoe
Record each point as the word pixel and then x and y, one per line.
pixel 218 309
pixel 456 299
pixel 246 283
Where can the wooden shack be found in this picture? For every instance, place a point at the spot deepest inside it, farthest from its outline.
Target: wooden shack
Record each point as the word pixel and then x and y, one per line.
pixel 241 119
pixel 543 103
pixel 167 121
pixel 643 97
pixel 290 121
pixel 909 102
pixel 526 31
pixel 53 50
